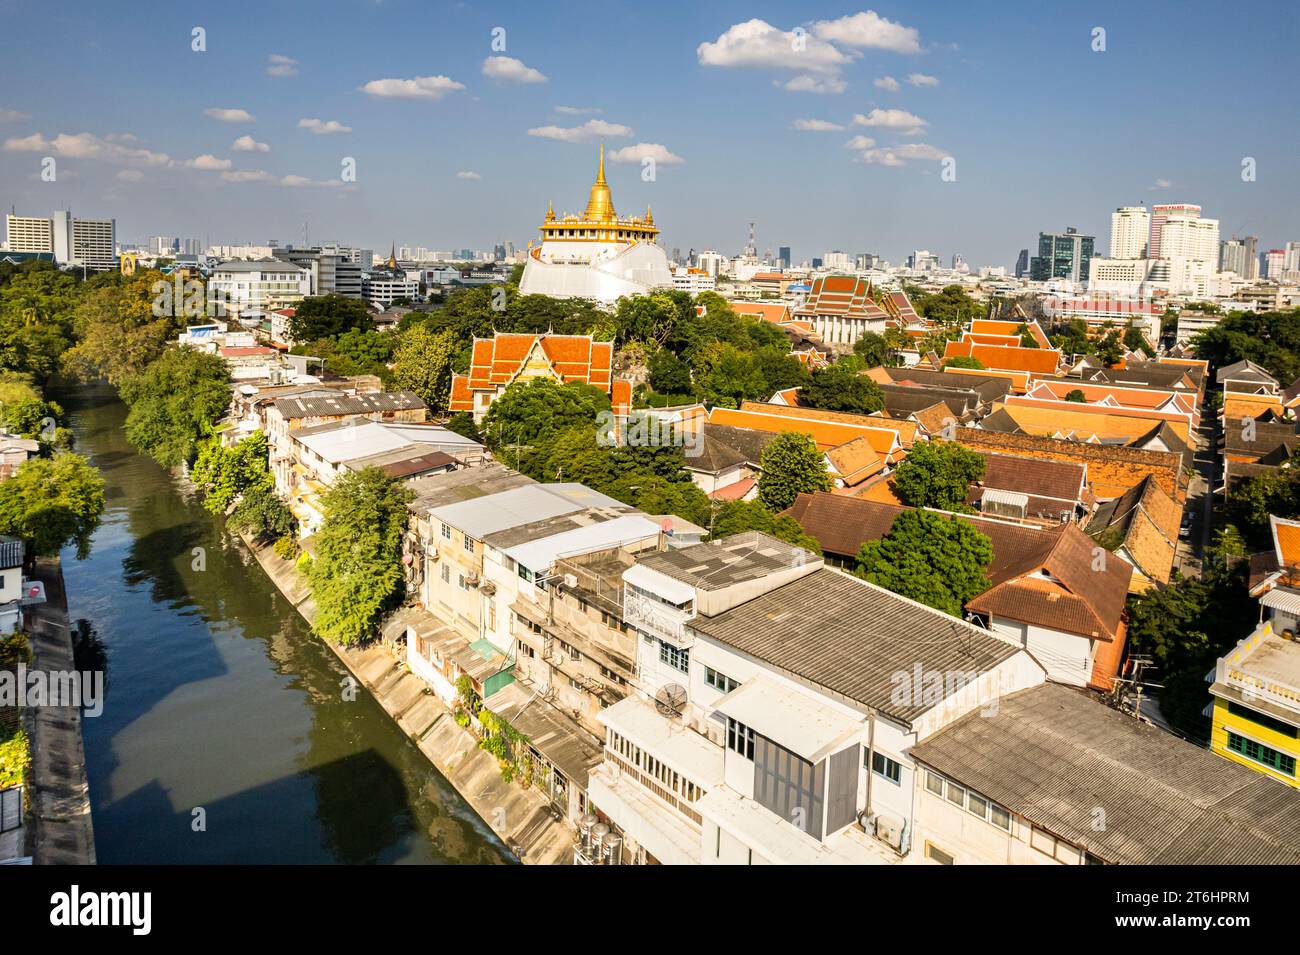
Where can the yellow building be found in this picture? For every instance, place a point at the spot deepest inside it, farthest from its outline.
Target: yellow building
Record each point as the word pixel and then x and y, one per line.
pixel 1256 689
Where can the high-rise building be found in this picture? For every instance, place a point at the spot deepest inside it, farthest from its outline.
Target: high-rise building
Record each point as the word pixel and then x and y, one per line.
pixel 1274 263
pixel 1130 228
pixel 85 243
pixel 783 256
pixel 1022 264
pixel 1062 255
pixel 1240 256
pixel 1158 216
pixel 29 233
pixel 836 260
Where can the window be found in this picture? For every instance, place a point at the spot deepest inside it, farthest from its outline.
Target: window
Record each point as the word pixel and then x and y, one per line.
pixel 934 783
pixel 446 574
pixel 1264 755
pixel 446 531
pixel 1000 817
pixel 740 738
pixel 956 794
pixel 527 651
pixel 491 613
pixel 526 574
pixel 882 765
pixel 576 684
pixel 719 681
pixel 675 657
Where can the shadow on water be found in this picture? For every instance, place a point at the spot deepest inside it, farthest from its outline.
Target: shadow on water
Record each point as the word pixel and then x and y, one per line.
pixel 222 699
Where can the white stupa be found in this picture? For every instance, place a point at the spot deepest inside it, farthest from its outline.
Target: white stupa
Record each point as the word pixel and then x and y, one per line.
pixel 596 255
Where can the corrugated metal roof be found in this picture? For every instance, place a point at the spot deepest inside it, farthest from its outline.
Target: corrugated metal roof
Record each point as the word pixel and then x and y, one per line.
pixel 1056 757
pixel 854 638
pixel 11 552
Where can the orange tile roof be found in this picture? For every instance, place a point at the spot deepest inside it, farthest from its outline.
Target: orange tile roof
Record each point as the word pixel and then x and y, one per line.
pixel 982 339
pixel 734 492
pixel 906 430
pixel 620 397
pixel 1177 419
pixel 1124 397
pixel 462 399
pixel 827 434
pixel 1286 541
pixel 774 312
pixel 841 295
pixel 1042 361
pixel 496 361
pixel 855 461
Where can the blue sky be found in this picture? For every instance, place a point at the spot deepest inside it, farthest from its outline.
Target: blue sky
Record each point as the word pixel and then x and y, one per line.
pixel 1045 133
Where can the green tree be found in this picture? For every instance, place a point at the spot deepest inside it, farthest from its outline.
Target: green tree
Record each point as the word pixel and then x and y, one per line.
pixel 791 465
pixel 528 412
pixel 963 361
pixel 174 403
pixel 121 329
pixel 1110 349
pixel 1275 491
pixel 726 374
pixel 462 423
pixel 949 306
pixel 938 560
pixel 737 517
pixel 1269 339
pixel 328 316
pixel 669 375
pixel 938 474
pixel 50 502
pixel 1077 396
pixel 261 513
pixel 422 363
pixel 357 573
pixel 841 387
pixel 876 350
pixel 223 474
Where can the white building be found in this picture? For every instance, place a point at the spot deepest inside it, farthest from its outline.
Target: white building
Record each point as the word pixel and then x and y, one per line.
pixel 29 233
pixel 1159 214
pixel 781 699
pixel 80 243
pixel 259 286
pixel 1130 227
pixel 693 281
pixel 598 255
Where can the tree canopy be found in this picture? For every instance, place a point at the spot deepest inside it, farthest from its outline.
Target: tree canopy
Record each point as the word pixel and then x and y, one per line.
pixel 791 465
pixel 328 316
pixel 736 517
pixel 422 363
pixel 842 387
pixel 938 560
pixel 174 403
pixel 50 502
pixel 528 412
pixel 938 474
pixel 1269 339
pixel 357 573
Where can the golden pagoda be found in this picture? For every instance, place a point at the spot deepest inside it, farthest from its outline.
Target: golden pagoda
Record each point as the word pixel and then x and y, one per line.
pixel 598 222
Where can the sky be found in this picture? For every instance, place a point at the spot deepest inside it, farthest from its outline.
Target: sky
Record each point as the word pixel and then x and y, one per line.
pixel 957 128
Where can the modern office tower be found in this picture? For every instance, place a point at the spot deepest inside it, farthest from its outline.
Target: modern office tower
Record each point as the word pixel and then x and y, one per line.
pixel 836 260
pixel 85 243
pixel 1274 263
pixel 817 263
pixel 923 260
pixel 958 263
pixel 29 233
pixel 710 262
pixel 1022 264
pixel 866 261
pixel 499 252
pixel 1062 255
pixel 783 256
pixel 1130 228
pixel 1158 216
pixel 1240 256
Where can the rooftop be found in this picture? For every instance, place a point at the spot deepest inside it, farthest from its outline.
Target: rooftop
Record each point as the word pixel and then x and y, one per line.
pixel 723 563
pixel 1053 756
pixel 518 506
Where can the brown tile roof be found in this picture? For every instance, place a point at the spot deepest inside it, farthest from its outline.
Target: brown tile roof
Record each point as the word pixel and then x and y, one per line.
pixel 1054 481
pixel 855 461
pixel 1147 521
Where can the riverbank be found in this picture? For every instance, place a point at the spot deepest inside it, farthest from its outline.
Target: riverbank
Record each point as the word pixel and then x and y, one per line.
pixel 521 817
pixel 58 789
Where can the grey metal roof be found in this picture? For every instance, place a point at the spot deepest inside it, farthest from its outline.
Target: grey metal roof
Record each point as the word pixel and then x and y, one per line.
pixel 519 506
pixel 264 265
pixel 1055 756
pixel 465 484
pixel 853 638
pixel 323 406
pixel 726 562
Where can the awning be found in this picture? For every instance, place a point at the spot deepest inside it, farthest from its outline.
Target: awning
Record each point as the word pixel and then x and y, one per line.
pixel 658 583
pixel 1284 599
pixel 795 720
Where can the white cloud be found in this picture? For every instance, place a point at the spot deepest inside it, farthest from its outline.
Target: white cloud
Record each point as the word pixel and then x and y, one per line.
pixel 816 126
pixel 509 70
pixel 898 155
pixel 129 175
pixel 323 128
pixel 860 142
pixel 208 162
pixel 813 84
pixel 642 151
pixel 247 144
pixel 12 116
pixel 922 79
pixel 886 83
pixel 1162 184
pixel 758 43
pixel 419 87
pixel 468 174
pixel 577 110
pixel 282 66
pixel 591 129
pixel 87 146
pixel 899 120
pixel 868 29
pixel 247 175
pixel 305 182
pixel 230 115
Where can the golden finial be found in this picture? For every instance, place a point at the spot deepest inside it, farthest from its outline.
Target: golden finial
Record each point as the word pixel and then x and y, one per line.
pixel 649 216
pixel 550 211
pixel 600 206
pixel 600 170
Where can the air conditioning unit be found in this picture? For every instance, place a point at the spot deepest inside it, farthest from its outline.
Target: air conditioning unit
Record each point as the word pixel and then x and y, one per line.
pixel 570 581
pixel 889 830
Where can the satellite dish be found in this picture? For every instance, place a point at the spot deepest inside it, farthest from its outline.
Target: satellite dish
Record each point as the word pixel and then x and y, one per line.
pixel 670 701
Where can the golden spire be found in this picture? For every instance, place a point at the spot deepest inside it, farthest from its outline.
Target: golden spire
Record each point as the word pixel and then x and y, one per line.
pixel 550 211
pixel 600 207
pixel 649 216
pixel 392 258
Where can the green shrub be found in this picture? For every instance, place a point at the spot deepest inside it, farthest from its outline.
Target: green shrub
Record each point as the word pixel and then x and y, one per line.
pixel 286 547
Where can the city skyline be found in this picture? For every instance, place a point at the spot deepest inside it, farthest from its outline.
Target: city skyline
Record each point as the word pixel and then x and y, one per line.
pixel 457 144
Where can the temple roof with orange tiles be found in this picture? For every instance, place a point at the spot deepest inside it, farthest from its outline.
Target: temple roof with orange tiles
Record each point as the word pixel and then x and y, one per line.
pixel 498 361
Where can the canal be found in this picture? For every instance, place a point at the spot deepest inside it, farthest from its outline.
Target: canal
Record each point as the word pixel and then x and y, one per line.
pixel 225 734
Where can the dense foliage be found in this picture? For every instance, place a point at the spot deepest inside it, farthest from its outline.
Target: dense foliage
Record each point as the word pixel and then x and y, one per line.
pixel 791 465
pixel 1269 339
pixel 938 560
pixel 174 403
pixel 938 474
pixel 51 502
pixel 357 573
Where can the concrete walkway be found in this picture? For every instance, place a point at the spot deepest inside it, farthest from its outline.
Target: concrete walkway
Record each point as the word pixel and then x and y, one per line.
pixel 59 793
pixel 520 817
